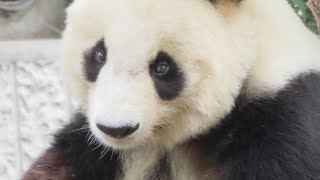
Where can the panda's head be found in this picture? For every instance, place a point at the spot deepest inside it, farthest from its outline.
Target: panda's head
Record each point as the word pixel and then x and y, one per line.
pixel 152 72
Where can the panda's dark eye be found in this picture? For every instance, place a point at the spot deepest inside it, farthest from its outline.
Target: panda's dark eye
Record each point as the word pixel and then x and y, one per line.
pixel 94 59
pixel 167 76
pixel 161 68
pixel 99 56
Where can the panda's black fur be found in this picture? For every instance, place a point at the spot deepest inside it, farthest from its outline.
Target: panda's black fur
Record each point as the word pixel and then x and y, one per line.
pixel 271 138
pixel 274 138
pixel 71 156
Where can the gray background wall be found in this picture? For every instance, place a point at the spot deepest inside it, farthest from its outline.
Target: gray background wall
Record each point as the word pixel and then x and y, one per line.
pixel 33 102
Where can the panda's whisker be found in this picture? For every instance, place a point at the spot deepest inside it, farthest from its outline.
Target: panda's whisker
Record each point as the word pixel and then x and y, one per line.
pixel 112 154
pixel 104 152
pixel 85 128
pixel 88 136
pixel 92 140
pixel 98 146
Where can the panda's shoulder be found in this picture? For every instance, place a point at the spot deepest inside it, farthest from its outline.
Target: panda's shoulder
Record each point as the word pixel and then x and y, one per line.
pixel 294 109
pixel 272 132
pixel 75 147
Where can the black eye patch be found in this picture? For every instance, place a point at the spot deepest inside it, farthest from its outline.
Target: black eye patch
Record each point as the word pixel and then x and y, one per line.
pixel 167 77
pixel 94 60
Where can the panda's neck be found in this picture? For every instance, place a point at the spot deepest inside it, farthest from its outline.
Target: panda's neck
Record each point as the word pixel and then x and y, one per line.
pixel 141 163
pixel 179 163
pixel 286 47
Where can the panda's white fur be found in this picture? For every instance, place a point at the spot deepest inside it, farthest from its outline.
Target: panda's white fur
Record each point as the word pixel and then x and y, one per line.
pixel 257 49
pixel 223 47
pixel 286 47
pixel 139 31
pixel 251 42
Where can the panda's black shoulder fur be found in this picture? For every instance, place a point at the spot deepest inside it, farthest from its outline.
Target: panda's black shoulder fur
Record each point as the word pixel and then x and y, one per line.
pixel 270 138
pixel 71 156
pixel 264 139
pixel 89 161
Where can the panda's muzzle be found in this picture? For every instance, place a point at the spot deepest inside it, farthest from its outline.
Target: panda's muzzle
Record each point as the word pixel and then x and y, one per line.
pixel 118 132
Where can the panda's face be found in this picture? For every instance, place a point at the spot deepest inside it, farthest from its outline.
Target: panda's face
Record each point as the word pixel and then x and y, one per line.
pixel 156 72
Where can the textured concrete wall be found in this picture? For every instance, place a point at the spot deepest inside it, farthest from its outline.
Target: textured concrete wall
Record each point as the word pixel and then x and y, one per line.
pixel 33 102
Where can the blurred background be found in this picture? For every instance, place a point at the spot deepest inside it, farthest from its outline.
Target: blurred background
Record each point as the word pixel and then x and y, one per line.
pixel 33 97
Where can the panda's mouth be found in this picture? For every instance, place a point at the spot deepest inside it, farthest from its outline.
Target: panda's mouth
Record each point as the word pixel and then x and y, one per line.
pixel 15 5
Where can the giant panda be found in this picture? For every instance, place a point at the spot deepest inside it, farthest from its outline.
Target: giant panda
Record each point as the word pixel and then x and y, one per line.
pixel 188 90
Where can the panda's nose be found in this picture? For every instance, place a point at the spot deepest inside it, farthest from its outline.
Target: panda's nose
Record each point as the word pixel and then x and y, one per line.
pixel 118 132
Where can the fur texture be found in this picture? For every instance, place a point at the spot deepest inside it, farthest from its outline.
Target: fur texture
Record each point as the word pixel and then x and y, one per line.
pixel 242 101
pixel 73 157
pixel 269 138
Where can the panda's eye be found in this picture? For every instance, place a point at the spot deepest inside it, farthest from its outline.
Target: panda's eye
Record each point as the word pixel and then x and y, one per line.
pixel 168 78
pixel 161 68
pixel 94 59
pixel 100 56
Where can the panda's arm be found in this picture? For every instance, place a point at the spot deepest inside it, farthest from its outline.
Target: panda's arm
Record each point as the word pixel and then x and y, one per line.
pixel 49 166
pixel 71 157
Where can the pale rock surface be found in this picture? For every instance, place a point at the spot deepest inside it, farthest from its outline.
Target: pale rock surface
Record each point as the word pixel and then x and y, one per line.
pixel 33 103
pixel 8 128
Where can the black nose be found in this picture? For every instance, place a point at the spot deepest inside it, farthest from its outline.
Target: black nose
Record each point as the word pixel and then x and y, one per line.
pixel 120 132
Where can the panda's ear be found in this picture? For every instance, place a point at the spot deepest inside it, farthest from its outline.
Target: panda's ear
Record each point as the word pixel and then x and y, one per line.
pixel 227 7
pixel 225 1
